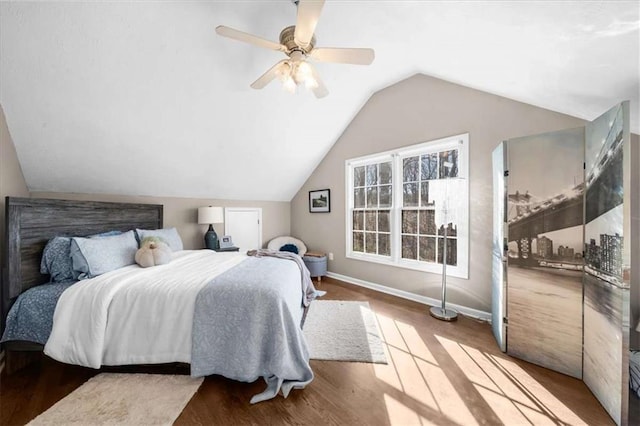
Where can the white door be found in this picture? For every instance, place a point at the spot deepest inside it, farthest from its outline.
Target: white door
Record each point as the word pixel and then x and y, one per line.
pixel 244 224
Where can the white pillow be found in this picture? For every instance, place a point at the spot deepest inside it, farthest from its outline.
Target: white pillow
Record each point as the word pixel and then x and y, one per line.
pixel 170 235
pixel 278 242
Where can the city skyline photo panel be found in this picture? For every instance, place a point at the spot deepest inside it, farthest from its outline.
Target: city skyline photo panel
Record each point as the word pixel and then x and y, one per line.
pixel 545 193
pixel 606 294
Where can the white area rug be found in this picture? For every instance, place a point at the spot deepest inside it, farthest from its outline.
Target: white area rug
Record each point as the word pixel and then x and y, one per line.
pixel 343 331
pixel 123 399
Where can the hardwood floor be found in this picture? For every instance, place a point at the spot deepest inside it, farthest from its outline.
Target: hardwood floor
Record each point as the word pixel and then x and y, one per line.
pixel 438 373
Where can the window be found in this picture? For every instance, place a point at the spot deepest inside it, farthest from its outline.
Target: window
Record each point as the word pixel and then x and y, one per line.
pixel 402 204
pixel 372 194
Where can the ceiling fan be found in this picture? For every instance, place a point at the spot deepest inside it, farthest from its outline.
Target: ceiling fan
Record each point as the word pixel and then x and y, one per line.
pixel 299 44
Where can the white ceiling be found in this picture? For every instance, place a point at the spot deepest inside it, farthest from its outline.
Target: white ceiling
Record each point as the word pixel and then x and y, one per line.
pixel 143 98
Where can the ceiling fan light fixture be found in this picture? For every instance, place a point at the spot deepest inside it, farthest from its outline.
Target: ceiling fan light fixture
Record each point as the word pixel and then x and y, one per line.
pixel 298 42
pixel 305 75
pixel 302 72
pixel 289 84
pixel 311 83
pixel 283 72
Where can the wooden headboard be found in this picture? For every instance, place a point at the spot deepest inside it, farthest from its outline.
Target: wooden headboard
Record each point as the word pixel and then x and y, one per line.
pixel 31 222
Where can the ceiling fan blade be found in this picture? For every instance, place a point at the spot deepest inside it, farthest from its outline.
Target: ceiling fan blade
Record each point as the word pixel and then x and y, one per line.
pixel 308 14
pixel 249 38
pixel 268 76
pixel 357 56
pixel 320 90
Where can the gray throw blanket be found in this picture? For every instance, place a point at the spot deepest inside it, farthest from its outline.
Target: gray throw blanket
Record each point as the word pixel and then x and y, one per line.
pixel 308 289
pixel 246 325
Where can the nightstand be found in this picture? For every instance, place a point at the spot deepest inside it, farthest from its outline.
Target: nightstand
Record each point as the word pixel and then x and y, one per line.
pixel 228 249
pixel 316 264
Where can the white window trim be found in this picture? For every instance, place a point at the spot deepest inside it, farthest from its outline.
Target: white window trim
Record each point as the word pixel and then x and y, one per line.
pixel 461 270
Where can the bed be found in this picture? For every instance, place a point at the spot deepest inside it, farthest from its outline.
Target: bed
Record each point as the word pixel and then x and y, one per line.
pixel 223 313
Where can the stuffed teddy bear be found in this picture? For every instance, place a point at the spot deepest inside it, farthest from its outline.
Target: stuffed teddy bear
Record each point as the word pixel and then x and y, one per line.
pixel 153 251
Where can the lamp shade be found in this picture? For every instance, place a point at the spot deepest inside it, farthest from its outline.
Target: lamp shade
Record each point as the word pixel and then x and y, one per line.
pixel 209 215
pixel 449 205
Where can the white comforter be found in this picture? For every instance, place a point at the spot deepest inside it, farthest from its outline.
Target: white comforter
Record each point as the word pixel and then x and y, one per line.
pixel 134 315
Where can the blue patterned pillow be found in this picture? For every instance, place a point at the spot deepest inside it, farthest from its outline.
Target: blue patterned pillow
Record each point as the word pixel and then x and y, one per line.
pixel 290 247
pixel 56 260
pixel 95 256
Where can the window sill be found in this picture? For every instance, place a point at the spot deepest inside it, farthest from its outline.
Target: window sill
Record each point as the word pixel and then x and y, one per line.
pixel 434 268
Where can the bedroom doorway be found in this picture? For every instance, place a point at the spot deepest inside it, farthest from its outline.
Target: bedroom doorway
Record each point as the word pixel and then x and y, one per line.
pixel 244 224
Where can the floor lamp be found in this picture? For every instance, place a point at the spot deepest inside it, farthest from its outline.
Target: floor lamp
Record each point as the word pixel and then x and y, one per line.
pixel 446 214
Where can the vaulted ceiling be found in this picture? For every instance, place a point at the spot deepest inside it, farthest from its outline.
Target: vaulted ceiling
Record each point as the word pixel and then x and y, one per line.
pixel 143 98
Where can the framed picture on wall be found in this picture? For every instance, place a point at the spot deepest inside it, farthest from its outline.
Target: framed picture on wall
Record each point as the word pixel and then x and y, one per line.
pixel 320 201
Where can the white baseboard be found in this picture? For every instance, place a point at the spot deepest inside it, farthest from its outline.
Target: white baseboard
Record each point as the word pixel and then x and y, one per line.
pixel 470 312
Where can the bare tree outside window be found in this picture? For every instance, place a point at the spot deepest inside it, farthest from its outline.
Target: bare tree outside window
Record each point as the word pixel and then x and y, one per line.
pixel 418 214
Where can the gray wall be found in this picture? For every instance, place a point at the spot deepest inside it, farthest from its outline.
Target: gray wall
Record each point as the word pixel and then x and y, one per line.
pixel 182 213
pixel 418 109
pixel 12 181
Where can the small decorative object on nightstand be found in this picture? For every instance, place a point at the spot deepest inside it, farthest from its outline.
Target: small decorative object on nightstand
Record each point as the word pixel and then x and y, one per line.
pixel 210 215
pixel 316 264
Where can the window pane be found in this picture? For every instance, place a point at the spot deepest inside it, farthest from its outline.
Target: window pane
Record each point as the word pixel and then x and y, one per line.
pixel 370 222
pixel 452 231
pixel 424 194
pixel 409 249
pixel 410 195
pixel 409 222
pixel 358 197
pixel 358 221
pixel 410 169
pixel 449 158
pixel 452 251
pixel 385 195
pixel 358 241
pixel 428 249
pixel 358 176
pixel 372 174
pixel 384 247
pixel 429 166
pixel 383 221
pixel 371 243
pixel 385 172
pixel 372 197
pixel 427 222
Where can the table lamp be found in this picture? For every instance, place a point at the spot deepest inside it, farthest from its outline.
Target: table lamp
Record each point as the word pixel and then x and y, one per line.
pixel 208 216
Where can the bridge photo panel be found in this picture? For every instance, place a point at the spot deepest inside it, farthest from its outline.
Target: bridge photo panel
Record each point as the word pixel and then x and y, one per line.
pixel 545 229
pixel 607 268
pixel 562 209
